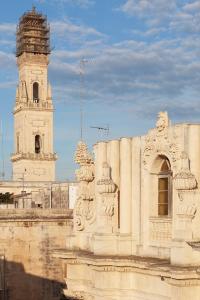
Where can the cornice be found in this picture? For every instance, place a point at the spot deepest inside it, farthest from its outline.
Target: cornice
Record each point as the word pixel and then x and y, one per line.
pixel 34 156
pixel 172 275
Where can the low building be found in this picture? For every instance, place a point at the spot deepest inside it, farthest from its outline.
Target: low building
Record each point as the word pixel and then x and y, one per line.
pixel 137 217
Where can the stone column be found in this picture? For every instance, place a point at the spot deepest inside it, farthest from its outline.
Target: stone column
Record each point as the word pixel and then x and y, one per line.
pixel 125 185
pixel 136 189
pixel 101 157
pixel 114 161
pixel 194 152
pixel 113 158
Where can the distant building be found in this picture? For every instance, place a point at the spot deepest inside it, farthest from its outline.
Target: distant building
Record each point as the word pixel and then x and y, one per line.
pixel 33 161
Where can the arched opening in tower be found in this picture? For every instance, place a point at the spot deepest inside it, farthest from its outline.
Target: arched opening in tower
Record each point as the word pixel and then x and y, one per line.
pixel 37 143
pixel 36 92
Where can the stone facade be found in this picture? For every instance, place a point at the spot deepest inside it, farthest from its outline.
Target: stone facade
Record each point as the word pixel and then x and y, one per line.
pixel 137 217
pixel 27 269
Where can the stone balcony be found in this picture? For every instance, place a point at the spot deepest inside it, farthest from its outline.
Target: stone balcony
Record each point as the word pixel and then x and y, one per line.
pixel 41 105
pixel 33 156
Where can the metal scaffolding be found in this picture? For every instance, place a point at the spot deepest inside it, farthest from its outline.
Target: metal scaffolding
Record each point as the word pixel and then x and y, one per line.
pixel 33 34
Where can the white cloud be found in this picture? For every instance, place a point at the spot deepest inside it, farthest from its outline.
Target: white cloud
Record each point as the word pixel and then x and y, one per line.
pixel 137 74
pixel 67 27
pixel 158 9
pixel 80 3
pixel 192 7
pixel 7 59
pixel 7 28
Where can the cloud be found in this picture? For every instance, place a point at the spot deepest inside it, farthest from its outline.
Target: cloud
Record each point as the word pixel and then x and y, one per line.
pixel 70 33
pixel 161 16
pixel 7 60
pixel 192 7
pixel 155 11
pixel 8 28
pixel 63 28
pixel 138 74
pixel 153 73
pixel 79 3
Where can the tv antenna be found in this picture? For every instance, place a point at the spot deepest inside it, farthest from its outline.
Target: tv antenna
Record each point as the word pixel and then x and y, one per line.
pixel 82 92
pixel 2 173
pixel 102 130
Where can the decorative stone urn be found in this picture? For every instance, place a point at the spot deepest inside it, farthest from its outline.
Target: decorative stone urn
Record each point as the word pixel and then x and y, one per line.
pixel 185 180
pixel 106 184
pixel 106 200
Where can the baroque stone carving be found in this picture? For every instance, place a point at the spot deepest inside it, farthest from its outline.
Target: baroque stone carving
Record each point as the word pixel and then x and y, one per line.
pixel 84 211
pixel 185 180
pixel 159 142
pixel 186 211
pixel 106 184
pixel 163 121
pixel 107 189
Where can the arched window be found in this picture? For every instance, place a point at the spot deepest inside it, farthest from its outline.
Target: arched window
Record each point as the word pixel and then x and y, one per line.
pixel 37 143
pixel 164 188
pixel 35 92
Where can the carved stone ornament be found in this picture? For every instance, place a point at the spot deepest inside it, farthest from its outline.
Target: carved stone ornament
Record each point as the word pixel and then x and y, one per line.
pixel 107 190
pixel 160 142
pixel 106 184
pixel 186 211
pixel 185 180
pixel 191 196
pixel 84 211
pixel 163 121
pixel 85 173
pixel 82 156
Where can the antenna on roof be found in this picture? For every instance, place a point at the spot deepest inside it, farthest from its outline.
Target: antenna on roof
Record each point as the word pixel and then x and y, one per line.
pixel 102 130
pixel 2 173
pixel 82 92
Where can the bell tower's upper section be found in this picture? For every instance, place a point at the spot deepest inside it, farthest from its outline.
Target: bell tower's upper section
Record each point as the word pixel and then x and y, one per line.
pixel 33 34
pixel 32 51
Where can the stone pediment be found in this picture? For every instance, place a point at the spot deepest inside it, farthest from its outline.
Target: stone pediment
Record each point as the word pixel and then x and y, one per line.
pixel 165 140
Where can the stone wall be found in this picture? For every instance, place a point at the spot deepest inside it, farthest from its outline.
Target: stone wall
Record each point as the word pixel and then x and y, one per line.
pixel 27 237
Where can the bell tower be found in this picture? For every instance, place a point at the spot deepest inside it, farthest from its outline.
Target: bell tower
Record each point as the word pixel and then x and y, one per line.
pixel 33 158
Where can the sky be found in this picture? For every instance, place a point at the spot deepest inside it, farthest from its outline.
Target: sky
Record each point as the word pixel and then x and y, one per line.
pixel 141 57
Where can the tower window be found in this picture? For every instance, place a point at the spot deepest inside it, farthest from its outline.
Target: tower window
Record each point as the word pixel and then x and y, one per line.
pixel 35 92
pixel 37 144
pixel 164 188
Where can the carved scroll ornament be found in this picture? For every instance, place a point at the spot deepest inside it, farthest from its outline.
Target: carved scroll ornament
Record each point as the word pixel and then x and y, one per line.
pixel 84 212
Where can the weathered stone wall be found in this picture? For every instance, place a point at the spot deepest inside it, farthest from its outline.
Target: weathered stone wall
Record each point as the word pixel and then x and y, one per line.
pixel 27 237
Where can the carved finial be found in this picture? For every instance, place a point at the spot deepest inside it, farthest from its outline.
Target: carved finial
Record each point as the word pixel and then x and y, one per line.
pixel 82 156
pixel 163 121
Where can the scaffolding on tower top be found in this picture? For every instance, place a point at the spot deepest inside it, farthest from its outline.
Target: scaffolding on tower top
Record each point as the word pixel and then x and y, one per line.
pixel 33 34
